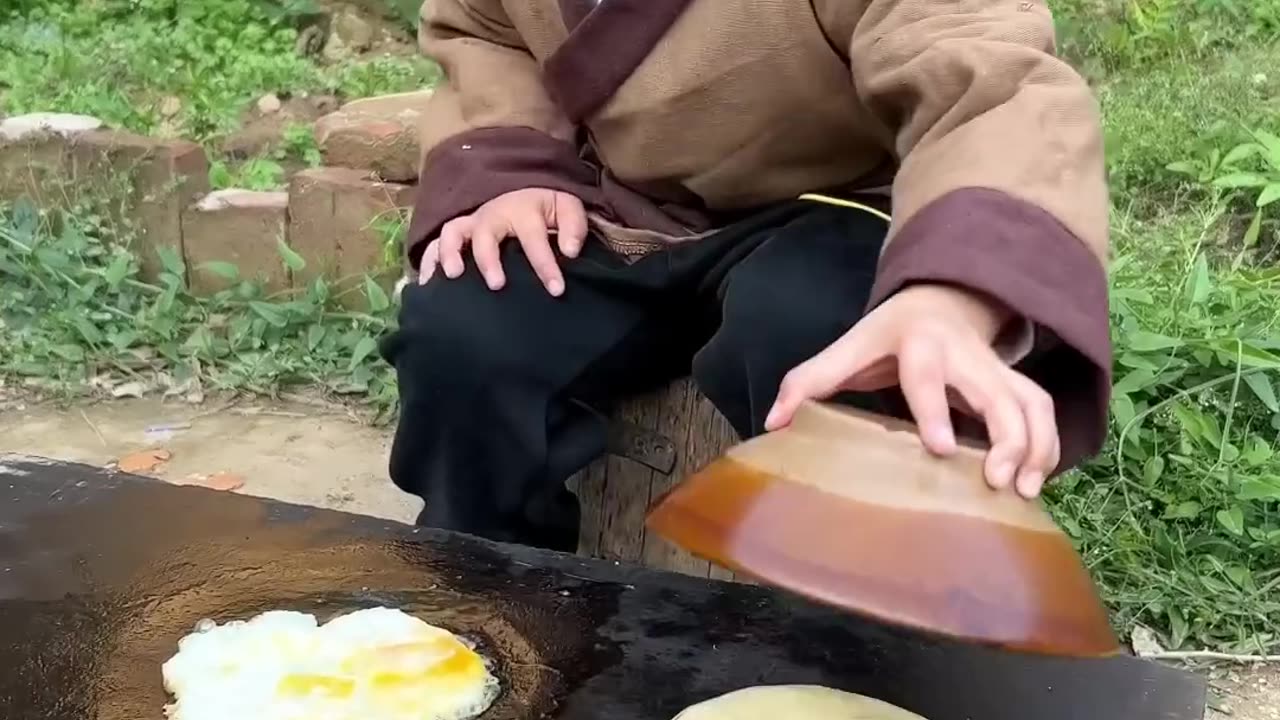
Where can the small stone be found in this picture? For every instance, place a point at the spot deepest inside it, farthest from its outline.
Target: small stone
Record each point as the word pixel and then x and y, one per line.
pixel 269 104
pixel 1145 642
pixel 1260 79
pixel 356 32
pixel 335 50
pixel 170 106
pixel 133 389
pixel 350 35
pixel 65 124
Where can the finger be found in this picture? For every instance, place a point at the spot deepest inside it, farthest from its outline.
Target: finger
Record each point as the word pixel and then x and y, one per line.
pixel 484 248
pixel 825 373
pixel 453 236
pixel 879 375
pixel 978 375
pixel 570 222
pixel 430 259
pixel 922 377
pixel 1044 448
pixel 531 231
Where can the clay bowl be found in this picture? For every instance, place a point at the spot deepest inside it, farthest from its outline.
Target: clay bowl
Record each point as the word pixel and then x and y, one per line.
pixel 849 509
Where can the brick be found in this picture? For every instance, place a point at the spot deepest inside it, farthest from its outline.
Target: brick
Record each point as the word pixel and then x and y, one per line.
pixel 34 166
pixel 34 156
pixel 377 134
pixel 242 227
pixel 333 214
pixel 168 181
pixel 145 182
pixel 160 177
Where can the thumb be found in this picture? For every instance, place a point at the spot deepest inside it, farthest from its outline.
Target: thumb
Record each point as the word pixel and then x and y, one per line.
pixel 824 374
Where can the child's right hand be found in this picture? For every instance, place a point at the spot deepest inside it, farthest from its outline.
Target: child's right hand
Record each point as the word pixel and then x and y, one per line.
pixel 935 343
pixel 527 215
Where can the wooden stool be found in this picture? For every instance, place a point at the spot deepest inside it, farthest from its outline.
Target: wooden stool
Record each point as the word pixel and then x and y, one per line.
pixel 617 490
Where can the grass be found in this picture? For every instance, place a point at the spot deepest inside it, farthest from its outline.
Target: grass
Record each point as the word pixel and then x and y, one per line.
pixel 119 60
pixel 1179 518
pixel 76 317
pixel 1182 111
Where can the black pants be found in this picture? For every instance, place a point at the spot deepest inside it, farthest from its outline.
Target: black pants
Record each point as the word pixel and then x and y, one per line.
pixel 504 395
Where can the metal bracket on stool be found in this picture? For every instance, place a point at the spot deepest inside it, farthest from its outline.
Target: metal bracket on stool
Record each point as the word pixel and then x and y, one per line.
pixel 654 451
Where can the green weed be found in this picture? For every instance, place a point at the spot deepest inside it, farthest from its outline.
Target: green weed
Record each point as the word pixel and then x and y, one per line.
pixel 1250 170
pixel 267 172
pixel 75 314
pixel 1175 112
pixel 1115 35
pixel 259 173
pixel 1180 518
pixel 120 59
pixel 383 76
pixel 299 141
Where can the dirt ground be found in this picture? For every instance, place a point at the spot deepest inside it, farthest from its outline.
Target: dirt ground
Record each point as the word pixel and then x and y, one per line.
pixel 323 457
pixel 297 453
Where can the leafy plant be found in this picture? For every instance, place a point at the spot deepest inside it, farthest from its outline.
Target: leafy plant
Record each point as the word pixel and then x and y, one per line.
pixel 1179 519
pixel 300 142
pixel 1251 169
pixel 1124 34
pixel 391 227
pixel 119 59
pixel 76 314
pixel 384 75
pixel 259 173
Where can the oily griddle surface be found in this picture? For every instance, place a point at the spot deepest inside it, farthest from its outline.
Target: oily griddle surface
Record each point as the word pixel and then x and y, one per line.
pixel 102 573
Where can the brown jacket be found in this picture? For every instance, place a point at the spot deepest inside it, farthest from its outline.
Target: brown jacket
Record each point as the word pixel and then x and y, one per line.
pixel 670 118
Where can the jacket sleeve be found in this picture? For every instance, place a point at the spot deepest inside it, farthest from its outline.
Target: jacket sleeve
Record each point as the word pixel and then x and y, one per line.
pixel 1001 186
pixel 490 128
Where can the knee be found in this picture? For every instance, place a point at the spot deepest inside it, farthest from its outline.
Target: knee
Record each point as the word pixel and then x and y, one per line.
pixel 757 329
pixel 448 334
pixel 734 365
pixel 761 338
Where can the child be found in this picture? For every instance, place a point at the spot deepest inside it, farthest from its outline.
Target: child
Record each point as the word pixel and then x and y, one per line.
pixel 618 193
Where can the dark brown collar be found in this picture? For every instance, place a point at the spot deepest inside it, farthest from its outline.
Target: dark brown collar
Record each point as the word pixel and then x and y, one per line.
pixel 606 44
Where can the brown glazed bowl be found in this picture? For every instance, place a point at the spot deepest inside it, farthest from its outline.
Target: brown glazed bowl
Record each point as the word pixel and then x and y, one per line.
pixel 849 509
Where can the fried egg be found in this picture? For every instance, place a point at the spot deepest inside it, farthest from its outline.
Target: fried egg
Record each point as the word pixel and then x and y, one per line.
pixel 374 664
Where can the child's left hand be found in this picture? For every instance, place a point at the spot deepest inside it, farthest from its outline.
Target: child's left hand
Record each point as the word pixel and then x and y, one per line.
pixel 930 339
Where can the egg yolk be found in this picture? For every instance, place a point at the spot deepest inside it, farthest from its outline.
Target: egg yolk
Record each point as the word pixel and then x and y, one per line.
pixel 438 661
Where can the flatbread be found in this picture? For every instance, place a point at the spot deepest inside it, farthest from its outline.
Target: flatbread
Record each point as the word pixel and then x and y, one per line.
pixel 794 702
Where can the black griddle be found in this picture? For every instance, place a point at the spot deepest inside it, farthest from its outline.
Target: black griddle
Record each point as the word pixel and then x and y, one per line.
pixel 101 573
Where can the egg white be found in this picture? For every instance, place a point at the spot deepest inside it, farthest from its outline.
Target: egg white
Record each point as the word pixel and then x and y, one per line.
pixel 374 664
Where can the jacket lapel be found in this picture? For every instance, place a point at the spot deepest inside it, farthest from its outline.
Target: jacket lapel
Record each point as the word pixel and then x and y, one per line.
pixel 606 43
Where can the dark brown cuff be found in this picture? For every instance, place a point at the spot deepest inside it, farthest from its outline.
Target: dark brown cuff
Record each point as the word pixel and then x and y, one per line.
pixel 1017 253
pixel 467 170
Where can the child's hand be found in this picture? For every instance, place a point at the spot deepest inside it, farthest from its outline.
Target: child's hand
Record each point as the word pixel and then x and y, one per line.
pixel 527 215
pixel 930 339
